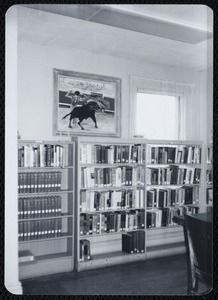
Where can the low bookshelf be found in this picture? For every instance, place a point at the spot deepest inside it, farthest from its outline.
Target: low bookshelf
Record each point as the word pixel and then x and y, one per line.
pixel 110 206
pixel 45 207
pixel 173 187
pixel 209 177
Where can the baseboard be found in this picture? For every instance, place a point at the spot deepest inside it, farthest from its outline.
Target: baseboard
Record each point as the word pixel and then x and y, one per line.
pixel 14 288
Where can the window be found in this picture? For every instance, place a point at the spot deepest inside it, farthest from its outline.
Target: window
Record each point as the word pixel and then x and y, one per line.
pixel 157 116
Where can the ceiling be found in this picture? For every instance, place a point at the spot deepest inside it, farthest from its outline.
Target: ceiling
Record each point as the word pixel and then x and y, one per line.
pixel 176 35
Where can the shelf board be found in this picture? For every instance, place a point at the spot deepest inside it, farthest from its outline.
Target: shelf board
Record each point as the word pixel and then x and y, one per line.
pixel 21 195
pixel 46 257
pixel 46 218
pixel 154 185
pixel 46 266
pixel 110 210
pixel 176 206
pixel 176 164
pixel 163 227
pixel 168 143
pixel 108 259
pixel 165 250
pixel 114 254
pixel 22 169
pixel 102 165
pixel 112 188
pixel 63 236
pixel 109 233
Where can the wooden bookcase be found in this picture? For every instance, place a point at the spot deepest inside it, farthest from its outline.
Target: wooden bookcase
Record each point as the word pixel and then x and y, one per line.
pixel 45 207
pixel 126 193
pixel 115 180
pixel 209 177
pixel 173 186
pixel 161 238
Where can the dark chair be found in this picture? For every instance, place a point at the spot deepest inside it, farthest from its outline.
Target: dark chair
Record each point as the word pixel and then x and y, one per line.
pixel 199 251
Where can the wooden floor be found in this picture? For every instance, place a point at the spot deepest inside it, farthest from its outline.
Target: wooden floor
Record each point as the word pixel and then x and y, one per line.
pixel 162 276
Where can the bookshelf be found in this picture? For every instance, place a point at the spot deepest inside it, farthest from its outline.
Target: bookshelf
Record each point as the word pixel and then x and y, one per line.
pixel 45 207
pixel 165 181
pixel 110 206
pixel 173 184
pixel 209 177
pixel 127 192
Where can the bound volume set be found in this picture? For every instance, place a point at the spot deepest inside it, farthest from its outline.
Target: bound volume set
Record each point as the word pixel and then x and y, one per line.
pixel 133 242
pixel 39 229
pixel 39 182
pixel 39 207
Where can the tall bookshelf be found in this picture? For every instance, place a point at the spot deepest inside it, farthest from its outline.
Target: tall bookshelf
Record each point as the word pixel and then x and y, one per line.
pixel 45 207
pixel 173 186
pixel 209 177
pixel 110 206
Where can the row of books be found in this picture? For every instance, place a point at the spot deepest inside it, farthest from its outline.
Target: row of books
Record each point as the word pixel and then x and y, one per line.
pixel 173 175
pixel 111 200
pixel 111 154
pixel 39 229
pixel 209 196
pixel 84 250
pixel 43 155
pixel 91 224
pixel 107 177
pixel 209 176
pixel 177 154
pixel 39 182
pixel 133 242
pixel 39 207
pixel 173 197
pixel 209 155
pixel 162 217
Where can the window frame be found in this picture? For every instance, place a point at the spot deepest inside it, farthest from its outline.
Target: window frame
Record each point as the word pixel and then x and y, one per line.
pixel 181 110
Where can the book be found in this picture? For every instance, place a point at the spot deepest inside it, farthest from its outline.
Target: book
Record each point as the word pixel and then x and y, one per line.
pixel 85 252
pixel 25 256
pixel 127 243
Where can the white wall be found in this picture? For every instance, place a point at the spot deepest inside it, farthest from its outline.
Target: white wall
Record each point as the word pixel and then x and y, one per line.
pixel 11 204
pixel 35 85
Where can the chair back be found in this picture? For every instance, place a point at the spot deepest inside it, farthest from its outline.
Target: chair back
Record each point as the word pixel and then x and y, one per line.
pixel 200 244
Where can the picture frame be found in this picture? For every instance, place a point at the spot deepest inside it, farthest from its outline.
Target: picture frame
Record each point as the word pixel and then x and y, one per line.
pixel 86 104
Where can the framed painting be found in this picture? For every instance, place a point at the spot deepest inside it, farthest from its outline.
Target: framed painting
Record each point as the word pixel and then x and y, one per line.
pixel 86 104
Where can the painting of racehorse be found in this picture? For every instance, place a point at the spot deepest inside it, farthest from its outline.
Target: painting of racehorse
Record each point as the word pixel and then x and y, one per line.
pixel 86 104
